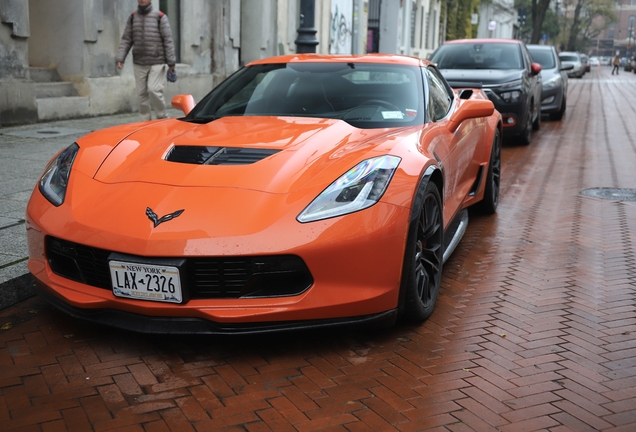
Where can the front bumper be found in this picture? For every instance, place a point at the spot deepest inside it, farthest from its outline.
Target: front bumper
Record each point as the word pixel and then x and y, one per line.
pixel 514 114
pixel 186 325
pixel 355 261
pixel 551 99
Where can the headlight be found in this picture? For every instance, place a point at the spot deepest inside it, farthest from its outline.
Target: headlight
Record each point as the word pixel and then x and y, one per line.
pixel 511 96
pixel 510 84
pixel 54 181
pixel 359 188
pixel 552 82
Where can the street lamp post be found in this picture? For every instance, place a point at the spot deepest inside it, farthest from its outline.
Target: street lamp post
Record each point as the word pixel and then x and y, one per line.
pixel 306 41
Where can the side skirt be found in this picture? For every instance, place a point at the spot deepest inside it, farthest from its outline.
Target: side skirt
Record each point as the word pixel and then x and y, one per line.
pixel 455 233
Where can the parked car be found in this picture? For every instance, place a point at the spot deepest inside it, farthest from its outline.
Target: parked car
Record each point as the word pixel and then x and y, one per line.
pixel 304 191
pixel 554 79
pixel 594 61
pixel 504 69
pixel 629 65
pixel 574 59
pixel 585 60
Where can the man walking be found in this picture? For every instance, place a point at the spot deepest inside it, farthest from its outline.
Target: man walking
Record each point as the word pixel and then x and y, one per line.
pixel 148 33
pixel 616 62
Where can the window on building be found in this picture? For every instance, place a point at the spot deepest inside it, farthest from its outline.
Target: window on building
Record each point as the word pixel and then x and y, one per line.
pixel 413 19
pixel 428 30
pixel 422 27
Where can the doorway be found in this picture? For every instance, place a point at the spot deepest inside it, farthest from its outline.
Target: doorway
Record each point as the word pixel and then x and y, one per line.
pixel 172 8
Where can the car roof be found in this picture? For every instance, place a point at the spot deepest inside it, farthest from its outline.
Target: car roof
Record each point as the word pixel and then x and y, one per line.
pixel 484 41
pixel 366 58
pixel 569 52
pixel 543 47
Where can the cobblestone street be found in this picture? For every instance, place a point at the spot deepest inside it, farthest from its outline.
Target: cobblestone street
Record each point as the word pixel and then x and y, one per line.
pixel 534 329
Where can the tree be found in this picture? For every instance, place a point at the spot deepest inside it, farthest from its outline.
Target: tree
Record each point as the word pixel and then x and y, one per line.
pixel 585 23
pixel 458 13
pixel 542 20
pixel 539 8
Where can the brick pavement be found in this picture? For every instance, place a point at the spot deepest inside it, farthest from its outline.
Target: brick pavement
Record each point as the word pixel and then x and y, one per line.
pixel 535 327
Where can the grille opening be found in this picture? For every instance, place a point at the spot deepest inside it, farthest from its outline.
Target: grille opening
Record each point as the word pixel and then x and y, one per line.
pixel 207 277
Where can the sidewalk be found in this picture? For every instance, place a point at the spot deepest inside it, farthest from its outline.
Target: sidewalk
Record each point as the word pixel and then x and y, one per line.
pixel 24 153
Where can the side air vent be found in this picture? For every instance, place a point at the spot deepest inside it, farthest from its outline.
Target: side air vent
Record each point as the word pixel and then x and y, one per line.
pixel 202 155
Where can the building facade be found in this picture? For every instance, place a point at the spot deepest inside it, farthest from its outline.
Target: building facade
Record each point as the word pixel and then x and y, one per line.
pixel 619 36
pixel 57 57
pixel 497 19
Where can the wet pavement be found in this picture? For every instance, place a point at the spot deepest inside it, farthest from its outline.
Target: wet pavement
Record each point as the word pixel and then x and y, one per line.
pixel 535 326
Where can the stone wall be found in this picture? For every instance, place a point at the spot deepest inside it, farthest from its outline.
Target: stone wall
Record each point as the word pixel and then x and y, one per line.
pixel 17 93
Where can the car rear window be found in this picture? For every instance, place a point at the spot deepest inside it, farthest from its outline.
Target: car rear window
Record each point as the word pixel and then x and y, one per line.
pixel 543 56
pixel 568 57
pixel 478 56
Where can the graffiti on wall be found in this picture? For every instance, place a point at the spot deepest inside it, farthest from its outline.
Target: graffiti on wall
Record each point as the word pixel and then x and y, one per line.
pixel 341 26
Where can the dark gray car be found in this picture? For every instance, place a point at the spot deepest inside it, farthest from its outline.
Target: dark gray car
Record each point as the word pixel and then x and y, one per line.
pixel 504 69
pixel 554 79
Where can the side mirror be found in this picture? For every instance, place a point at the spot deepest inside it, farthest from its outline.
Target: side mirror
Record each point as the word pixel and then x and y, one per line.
pixel 535 68
pixel 470 109
pixel 567 67
pixel 184 103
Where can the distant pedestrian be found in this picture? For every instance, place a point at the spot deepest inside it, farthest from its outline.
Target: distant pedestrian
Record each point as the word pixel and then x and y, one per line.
pixel 148 33
pixel 616 61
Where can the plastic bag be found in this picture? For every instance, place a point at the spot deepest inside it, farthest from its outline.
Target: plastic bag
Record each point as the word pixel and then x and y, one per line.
pixel 172 76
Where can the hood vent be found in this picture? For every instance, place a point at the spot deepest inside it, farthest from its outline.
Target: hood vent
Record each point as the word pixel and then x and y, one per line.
pixel 203 155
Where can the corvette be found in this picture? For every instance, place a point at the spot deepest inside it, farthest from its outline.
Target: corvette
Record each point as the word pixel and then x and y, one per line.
pixel 304 191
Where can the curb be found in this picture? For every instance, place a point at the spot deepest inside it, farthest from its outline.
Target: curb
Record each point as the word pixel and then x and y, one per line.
pixel 16 290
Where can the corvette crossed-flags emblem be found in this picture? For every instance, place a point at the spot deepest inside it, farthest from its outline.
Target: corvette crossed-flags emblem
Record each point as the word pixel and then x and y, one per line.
pixel 158 220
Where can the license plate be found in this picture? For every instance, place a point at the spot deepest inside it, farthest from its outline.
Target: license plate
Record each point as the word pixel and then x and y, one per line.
pixel 146 281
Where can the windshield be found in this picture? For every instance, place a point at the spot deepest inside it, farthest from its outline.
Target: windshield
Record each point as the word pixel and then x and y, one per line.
pixel 543 56
pixel 570 58
pixel 364 95
pixel 478 56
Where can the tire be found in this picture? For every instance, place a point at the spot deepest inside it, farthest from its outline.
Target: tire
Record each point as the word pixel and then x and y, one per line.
pixel 422 269
pixel 536 123
pixel 490 202
pixel 526 136
pixel 559 115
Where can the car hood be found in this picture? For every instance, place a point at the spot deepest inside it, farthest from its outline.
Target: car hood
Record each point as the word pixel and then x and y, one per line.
pixel 484 76
pixel 546 74
pixel 300 152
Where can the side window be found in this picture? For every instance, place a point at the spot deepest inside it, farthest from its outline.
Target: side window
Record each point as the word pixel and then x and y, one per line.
pixel 528 57
pixel 440 97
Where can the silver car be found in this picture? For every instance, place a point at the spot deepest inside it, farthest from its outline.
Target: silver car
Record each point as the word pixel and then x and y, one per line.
pixel 554 79
pixel 574 59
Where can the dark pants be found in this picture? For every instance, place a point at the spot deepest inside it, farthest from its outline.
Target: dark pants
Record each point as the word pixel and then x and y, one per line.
pixel 615 69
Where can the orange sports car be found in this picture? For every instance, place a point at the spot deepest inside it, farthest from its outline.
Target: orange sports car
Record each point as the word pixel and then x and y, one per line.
pixel 303 191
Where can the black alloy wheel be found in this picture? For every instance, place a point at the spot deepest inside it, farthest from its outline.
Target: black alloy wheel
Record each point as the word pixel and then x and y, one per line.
pixel 493 178
pixel 559 115
pixel 422 270
pixel 536 124
pixel 526 135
